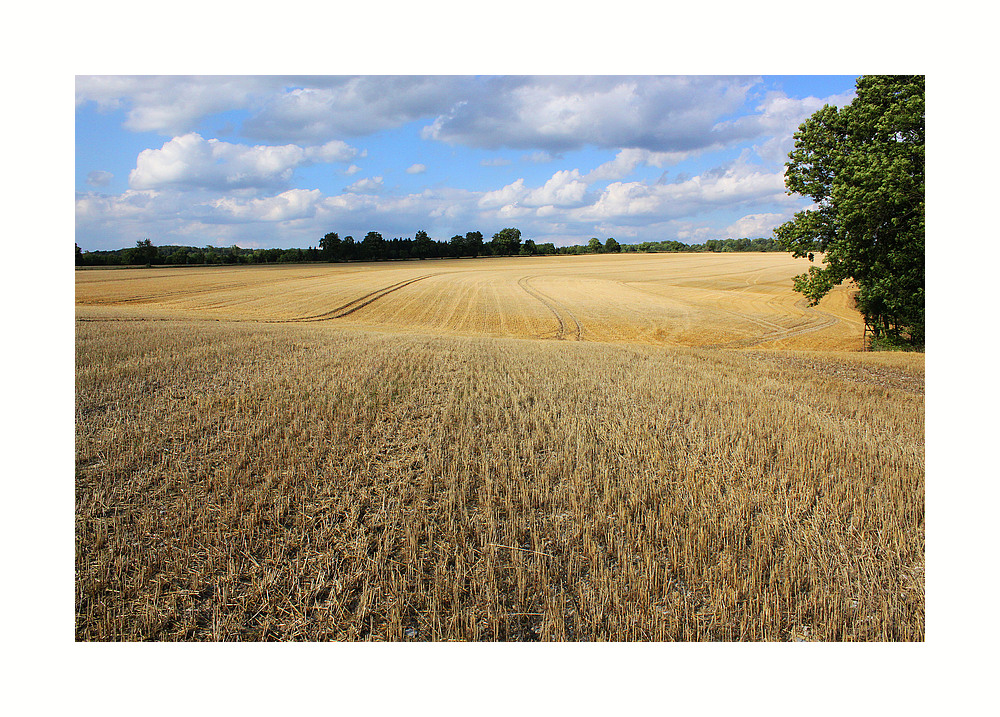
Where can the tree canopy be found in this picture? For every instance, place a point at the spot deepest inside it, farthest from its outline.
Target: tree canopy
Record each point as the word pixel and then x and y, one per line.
pixel 863 166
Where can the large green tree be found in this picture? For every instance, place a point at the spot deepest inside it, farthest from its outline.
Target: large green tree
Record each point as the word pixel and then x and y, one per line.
pixel 507 241
pixel 143 253
pixel 863 166
pixel 423 245
pixel 329 246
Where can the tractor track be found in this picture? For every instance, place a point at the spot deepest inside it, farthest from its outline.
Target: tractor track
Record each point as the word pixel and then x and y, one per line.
pixel 354 305
pixel 826 321
pixel 525 283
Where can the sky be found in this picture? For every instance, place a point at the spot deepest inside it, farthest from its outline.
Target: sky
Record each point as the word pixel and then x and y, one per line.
pixel 279 161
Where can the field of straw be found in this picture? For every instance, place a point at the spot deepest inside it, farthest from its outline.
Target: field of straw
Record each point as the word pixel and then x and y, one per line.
pixel 651 447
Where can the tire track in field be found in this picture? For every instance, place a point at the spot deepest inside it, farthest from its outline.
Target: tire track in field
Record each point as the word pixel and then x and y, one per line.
pixel 555 307
pixel 763 323
pixel 523 283
pixel 359 303
pixel 826 321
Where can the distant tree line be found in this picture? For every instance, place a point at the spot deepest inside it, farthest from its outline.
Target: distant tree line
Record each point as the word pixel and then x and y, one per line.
pixel 712 245
pixel 333 248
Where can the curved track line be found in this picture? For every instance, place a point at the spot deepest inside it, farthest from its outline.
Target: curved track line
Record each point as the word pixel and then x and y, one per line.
pixel 826 322
pixel 523 283
pixel 351 306
pixel 555 307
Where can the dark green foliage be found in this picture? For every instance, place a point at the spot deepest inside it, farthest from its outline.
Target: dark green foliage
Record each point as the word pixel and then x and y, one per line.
pixel 332 248
pixel 144 253
pixel 474 243
pixel 423 246
pixel 329 246
pixel 506 242
pixel 863 166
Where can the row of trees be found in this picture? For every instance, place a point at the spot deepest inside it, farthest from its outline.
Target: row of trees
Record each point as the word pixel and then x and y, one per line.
pixel 145 253
pixel 506 242
pixel 373 247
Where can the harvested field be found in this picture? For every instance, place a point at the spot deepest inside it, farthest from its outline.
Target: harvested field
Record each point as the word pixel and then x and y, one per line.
pixel 579 448
pixel 711 300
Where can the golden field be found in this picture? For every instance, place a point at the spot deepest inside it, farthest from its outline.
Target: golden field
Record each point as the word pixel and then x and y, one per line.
pixel 625 447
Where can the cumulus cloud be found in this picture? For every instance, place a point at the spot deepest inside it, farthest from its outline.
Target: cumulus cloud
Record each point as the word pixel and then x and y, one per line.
pixel 537 157
pixel 560 210
pixel 776 117
pixel 548 115
pixel 369 185
pixel 353 169
pixel 101 207
pixel 298 110
pixel 416 169
pixel 293 204
pixel 554 114
pixel 333 151
pixel 757 225
pixel 171 105
pixel 511 194
pixel 99 178
pixel 354 106
pixel 194 162
pixel 729 186
pixel 626 161
pixel 565 188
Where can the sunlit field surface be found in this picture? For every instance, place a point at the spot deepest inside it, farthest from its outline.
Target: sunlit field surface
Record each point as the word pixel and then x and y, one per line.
pixel 718 300
pixel 627 447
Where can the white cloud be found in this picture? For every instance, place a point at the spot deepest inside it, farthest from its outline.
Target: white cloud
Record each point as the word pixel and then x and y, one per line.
pixel 99 178
pixel 293 204
pixel 336 106
pixel 537 157
pixel 510 194
pixel 368 185
pixel 757 225
pixel 495 162
pixel 333 151
pixel 664 114
pixel 171 105
pixel 776 119
pixel 416 169
pixel 564 188
pixel 353 169
pixel 193 162
pixel 101 207
pixel 726 187
pixel 546 115
pixel 626 161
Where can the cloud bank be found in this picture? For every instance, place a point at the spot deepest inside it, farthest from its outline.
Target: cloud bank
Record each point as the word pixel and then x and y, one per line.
pixel 723 139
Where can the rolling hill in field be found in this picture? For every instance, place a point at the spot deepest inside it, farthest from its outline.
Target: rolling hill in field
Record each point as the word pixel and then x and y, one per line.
pixel 719 300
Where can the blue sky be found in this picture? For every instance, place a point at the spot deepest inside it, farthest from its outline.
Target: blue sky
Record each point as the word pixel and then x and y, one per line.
pixel 262 161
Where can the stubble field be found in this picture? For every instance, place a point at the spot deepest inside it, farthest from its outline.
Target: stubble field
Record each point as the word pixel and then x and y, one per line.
pixel 651 447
